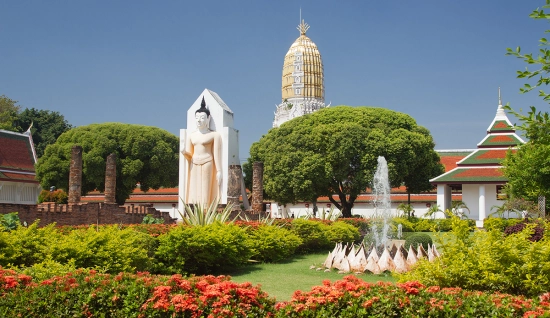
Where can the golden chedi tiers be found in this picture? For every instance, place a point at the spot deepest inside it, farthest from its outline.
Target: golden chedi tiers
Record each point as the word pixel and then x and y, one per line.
pixel 303 87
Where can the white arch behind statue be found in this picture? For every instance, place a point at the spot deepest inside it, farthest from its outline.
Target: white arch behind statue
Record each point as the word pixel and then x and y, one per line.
pixel 221 120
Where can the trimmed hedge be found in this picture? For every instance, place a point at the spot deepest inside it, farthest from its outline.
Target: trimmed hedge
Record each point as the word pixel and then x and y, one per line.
pixel 417 239
pixel 271 243
pixel 202 249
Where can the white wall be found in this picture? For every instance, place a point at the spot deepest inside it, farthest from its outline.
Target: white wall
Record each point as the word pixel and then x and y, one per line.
pixel 470 196
pixel 19 192
pixel 362 208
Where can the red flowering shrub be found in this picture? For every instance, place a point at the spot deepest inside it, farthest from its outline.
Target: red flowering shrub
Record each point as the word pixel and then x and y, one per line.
pixel 352 297
pixel 90 294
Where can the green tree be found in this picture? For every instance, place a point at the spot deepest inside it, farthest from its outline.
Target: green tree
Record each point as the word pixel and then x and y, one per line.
pixel 335 151
pixel 8 113
pixel 144 155
pixel 46 126
pixel 528 169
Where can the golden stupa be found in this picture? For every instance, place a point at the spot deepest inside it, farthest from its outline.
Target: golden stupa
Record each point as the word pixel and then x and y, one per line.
pixel 303 87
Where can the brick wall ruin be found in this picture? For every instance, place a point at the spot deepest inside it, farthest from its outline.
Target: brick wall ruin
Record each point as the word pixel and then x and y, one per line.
pixel 77 213
pixel 83 213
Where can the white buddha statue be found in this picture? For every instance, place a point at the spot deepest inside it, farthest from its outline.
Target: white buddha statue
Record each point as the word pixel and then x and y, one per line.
pixel 203 150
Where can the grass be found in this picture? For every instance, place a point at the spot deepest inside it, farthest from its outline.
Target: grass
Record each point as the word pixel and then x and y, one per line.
pixel 282 279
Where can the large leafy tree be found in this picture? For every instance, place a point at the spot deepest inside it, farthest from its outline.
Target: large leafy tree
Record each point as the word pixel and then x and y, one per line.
pixel 46 126
pixel 145 155
pixel 528 169
pixel 335 151
pixel 8 113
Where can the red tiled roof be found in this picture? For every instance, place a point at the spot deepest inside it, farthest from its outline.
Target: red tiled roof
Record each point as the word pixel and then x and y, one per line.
pixel 501 140
pixel 486 156
pixel 16 152
pixel 501 125
pixel 14 176
pixel 472 175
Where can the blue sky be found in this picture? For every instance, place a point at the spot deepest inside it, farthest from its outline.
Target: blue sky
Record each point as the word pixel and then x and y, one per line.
pixel 145 62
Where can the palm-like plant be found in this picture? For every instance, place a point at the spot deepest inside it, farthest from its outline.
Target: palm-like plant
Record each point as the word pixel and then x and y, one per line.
pixel 432 211
pixel 199 214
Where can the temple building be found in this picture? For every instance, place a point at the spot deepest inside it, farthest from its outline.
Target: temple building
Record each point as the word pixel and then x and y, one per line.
pixel 18 184
pixel 479 176
pixel 303 86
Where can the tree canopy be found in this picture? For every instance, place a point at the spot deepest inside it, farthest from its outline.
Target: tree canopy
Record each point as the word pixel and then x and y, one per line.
pixel 46 126
pixel 528 169
pixel 335 151
pixel 144 155
pixel 8 113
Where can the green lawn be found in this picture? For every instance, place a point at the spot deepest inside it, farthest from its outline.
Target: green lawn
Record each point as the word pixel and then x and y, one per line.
pixel 282 279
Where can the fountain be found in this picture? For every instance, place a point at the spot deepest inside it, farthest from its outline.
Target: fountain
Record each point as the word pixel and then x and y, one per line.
pixel 367 257
pixel 382 203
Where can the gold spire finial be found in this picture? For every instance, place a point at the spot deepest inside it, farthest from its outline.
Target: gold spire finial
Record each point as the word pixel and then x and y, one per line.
pixel 499 99
pixel 303 27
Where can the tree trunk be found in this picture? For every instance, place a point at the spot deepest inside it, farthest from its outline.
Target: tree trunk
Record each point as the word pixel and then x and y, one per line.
pixel 315 209
pixel 344 205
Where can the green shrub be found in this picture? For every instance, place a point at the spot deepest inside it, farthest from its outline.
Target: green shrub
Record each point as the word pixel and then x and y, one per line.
pixel 150 219
pixel 406 224
pixel 417 239
pixel 499 224
pixel 425 225
pixel 9 221
pixel 272 243
pixel 443 225
pixel 48 269
pixel 362 224
pixel 488 261
pixel 57 196
pixel 202 249
pixel 26 246
pixel 314 235
pixel 342 232
pixel 107 248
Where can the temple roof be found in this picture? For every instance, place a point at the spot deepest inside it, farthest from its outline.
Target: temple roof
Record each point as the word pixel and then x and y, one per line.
pixel 17 157
pixel 484 164
pixel 500 140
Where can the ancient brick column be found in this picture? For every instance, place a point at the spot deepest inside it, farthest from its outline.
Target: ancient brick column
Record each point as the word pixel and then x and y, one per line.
pixel 235 175
pixel 110 179
pixel 257 186
pixel 75 175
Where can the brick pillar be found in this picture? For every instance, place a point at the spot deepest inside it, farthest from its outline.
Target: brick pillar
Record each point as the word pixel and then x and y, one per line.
pixel 235 175
pixel 75 175
pixel 257 187
pixel 110 179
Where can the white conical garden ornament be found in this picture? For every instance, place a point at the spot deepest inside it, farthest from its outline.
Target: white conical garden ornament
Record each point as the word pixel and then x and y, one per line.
pixel 400 262
pixel 372 262
pixel 385 262
pixel 411 256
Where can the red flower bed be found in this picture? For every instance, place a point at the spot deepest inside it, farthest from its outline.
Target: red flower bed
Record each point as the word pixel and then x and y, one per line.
pixel 352 297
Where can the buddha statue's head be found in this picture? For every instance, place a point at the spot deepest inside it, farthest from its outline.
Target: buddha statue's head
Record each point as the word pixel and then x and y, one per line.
pixel 202 116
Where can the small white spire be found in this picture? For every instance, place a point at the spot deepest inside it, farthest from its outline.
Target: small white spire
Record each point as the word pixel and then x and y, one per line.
pixel 501 115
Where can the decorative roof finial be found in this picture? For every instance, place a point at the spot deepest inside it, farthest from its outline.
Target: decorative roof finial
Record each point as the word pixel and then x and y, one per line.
pixel 302 27
pixel 499 100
